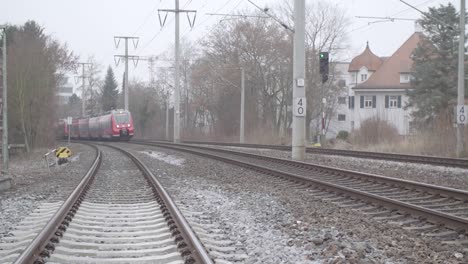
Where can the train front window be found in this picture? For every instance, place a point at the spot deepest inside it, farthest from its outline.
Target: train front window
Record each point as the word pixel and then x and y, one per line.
pixel 122 118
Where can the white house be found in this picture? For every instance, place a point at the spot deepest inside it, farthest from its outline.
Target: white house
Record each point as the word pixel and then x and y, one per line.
pixel 379 91
pixel 376 88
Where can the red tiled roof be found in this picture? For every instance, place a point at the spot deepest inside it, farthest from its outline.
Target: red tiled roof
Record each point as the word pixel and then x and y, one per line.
pixel 388 75
pixel 368 59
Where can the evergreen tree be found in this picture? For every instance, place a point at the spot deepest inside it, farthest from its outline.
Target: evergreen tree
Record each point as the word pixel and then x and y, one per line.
pixel 434 86
pixel 74 106
pixel 109 92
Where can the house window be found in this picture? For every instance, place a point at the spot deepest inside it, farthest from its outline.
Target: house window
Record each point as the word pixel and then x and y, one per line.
pixel 341 117
pixel 351 102
pixel 367 101
pixel 363 77
pixel 342 100
pixel 405 77
pixel 393 101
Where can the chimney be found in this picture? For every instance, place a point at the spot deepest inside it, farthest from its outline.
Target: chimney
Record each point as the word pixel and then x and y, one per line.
pixel 417 27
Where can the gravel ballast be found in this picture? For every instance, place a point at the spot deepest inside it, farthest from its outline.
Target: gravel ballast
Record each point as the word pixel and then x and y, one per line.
pixel 437 175
pixel 273 223
pixel 33 183
pixel 268 221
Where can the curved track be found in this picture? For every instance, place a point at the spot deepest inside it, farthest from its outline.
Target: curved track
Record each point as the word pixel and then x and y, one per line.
pixel 432 160
pixel 433 205
pixel 119 213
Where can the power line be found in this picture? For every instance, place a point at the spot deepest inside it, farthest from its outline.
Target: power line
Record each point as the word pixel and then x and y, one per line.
pixel 428 16
pixel 408 9
pixel 231 15
pixel 147 18
pixel 265 10
pixel 208 18
pixel 395 14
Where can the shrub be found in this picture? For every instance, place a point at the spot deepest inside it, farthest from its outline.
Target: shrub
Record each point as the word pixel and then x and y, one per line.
pixel 343 135
pixel 376 131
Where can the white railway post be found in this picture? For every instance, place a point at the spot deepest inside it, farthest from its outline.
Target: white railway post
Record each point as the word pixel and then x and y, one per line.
pixel 5 106
pixel 461 78
pixel 242 113
pixel 299 95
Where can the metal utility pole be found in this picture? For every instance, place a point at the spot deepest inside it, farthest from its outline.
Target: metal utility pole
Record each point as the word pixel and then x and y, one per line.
pixel 299 96
pixel 461 78
pixel 177 11
pixel 5 153
pixel 83 87
pixel 126 57
pixel 167 118
pixel 241 133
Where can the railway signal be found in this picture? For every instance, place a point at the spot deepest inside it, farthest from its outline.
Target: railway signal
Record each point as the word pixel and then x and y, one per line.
pixel 323 56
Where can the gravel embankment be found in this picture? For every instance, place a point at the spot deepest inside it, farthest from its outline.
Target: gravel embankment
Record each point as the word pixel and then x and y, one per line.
pixel 33 183
pixel 438 175
pixel 274 224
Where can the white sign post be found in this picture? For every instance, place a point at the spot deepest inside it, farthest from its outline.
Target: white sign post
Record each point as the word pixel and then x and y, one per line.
pixel 300 105
pixel 69 122
pixel 462 114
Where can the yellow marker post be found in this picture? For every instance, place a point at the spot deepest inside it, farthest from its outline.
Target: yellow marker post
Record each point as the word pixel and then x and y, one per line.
pixel 63 153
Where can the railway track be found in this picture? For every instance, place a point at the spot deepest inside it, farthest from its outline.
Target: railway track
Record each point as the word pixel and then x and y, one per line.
pixel 119 213
pixel 432 160
pixel 440 211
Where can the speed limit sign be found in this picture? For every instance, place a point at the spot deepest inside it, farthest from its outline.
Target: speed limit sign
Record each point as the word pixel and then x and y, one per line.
pixel 462 114
pixel 300 104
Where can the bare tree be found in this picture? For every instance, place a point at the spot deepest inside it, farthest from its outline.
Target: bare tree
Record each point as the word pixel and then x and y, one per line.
pixel 326 27
pixel 264 51
pixel 37 64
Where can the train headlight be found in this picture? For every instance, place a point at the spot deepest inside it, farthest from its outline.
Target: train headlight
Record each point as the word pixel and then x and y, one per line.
pixel 128 125
pixel 117 126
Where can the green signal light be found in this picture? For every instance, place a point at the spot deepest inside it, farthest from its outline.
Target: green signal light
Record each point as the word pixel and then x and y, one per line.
pixel 323 55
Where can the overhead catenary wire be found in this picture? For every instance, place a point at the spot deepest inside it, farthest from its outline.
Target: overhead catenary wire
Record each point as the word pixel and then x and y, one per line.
pixel 162 28
pixel 392 15
pixel 209 17
pixel 146 19
pixel 427 15
pixel 272 17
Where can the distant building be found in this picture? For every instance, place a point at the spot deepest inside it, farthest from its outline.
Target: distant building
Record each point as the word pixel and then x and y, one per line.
pixel 65 91
pixel 376 88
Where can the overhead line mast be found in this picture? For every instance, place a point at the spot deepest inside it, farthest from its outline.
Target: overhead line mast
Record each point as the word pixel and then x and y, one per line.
pixel 4 110
pixel 126 57
pixel 83 89
pixel 177 11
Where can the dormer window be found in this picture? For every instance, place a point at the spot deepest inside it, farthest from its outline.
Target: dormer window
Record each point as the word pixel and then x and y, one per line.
pixel 363 77
pixel 405 77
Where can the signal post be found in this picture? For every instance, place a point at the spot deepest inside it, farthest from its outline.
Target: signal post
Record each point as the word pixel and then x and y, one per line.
pixel 299 96
pixel 323 61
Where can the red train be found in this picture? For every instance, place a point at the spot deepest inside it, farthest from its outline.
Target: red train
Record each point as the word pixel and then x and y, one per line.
pixel 113 125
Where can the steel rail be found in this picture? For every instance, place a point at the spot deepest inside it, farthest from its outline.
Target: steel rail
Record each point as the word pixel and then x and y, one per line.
pixel 423 159
pixel 40 242
pixel 445 191
pixel 197 249
pixel 452 221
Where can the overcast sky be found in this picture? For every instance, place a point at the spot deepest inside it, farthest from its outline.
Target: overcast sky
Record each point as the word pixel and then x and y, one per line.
pixel 88 26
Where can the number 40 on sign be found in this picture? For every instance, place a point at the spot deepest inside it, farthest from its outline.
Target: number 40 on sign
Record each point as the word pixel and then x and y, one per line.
pixel 462 114
pixel 300 106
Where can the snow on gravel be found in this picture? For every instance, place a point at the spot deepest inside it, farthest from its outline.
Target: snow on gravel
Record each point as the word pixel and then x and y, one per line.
pixel 164 157
pixel 437 175
pixel 33 183
pixel 272 223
